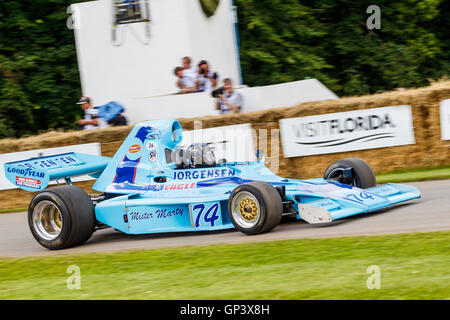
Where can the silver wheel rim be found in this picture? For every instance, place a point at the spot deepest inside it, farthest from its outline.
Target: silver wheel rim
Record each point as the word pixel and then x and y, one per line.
pixel 47 220
pixel 242 201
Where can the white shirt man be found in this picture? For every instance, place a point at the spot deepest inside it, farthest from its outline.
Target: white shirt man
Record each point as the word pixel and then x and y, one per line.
pixel 206 80
pixel 191 74
pixel 230 101
pixel 184 83
pixel 188 71
pixel 91 119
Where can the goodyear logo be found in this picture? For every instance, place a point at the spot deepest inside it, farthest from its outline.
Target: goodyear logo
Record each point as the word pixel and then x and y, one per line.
pixel 26 172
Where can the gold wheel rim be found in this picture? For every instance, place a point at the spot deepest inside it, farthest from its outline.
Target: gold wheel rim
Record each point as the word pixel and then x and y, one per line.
pixel 248 208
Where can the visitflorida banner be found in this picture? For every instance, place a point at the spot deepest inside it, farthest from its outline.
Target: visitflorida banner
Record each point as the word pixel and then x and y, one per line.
pixel 347 131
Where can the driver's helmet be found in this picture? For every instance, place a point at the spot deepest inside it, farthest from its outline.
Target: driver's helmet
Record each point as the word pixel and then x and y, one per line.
pixel 201 155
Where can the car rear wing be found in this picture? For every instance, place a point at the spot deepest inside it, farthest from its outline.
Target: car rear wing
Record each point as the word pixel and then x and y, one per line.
pixel 35 174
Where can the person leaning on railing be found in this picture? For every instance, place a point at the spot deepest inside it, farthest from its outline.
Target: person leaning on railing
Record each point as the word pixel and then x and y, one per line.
pixel 228 100
pixel 185 84
pixel 206 79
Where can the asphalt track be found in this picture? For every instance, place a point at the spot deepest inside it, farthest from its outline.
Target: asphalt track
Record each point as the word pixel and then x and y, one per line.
pixel 430 213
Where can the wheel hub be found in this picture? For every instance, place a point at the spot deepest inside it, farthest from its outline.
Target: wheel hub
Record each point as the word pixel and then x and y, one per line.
pixel 47 220
pixel 248 209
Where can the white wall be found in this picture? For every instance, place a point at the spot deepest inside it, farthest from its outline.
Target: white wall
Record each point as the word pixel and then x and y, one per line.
pixel 178 28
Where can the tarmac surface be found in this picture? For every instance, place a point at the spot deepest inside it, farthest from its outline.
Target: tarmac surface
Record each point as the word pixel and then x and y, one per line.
pixel 430 213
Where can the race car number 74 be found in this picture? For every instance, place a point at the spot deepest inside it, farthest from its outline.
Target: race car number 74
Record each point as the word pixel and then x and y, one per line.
pixel 363 196
pixel 205 214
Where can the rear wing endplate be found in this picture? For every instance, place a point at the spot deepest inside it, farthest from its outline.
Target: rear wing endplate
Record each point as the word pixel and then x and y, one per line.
pixel 35 174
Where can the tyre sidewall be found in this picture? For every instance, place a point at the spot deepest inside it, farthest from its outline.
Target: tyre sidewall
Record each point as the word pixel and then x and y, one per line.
pixel 363 179
pixel 263 207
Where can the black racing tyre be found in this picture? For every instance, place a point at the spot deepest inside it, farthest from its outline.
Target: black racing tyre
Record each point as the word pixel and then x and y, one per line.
pixel 61 217
pixel 363 175
pixel 255 208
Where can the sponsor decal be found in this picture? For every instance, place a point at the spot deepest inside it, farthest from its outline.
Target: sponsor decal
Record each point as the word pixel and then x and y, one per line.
pixel 180 186
pixel 26 172
pixel 135 148
pixel 148 133
pixel 347 131
pixel 171 187
pixel 151 145
pixel 158 214
pixel 51 163
pixel 203 174
pixel 27 182
pixel 153 156
pixel 150 187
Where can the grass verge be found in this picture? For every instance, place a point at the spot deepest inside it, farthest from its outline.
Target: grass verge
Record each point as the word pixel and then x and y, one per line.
pixel 414 175
pixel 413 266
pixel 13 210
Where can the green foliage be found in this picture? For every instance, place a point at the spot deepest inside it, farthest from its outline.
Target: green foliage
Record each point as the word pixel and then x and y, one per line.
pixel 281 40
pixel 38 70
pixel 329 40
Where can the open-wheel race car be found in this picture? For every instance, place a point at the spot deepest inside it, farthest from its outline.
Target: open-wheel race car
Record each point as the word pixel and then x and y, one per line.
pixel 152 185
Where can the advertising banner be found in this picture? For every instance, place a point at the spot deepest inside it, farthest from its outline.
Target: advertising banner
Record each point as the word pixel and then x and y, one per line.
pixel 347 131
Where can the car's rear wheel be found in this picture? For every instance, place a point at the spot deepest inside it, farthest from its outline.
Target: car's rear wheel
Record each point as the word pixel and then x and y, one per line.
pixel 352 171
pixel 61 217
pixel 255 208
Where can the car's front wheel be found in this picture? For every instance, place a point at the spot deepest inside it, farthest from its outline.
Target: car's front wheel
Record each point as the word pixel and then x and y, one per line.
pixel 255 208
pixel 352 171
pixel 61 217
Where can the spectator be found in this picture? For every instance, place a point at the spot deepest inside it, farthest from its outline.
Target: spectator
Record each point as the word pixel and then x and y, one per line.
pixel 206 80
pixel 185 83
pixel 91 120
pixel 228 100
pixel 188 70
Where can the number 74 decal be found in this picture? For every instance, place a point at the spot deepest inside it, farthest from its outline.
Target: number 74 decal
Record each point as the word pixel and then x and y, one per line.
pixel 204 215
pixel 361 198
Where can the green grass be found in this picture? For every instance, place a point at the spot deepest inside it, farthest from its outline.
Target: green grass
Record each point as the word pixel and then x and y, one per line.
pixel 440 173
pixel 14 210
pixel 413 266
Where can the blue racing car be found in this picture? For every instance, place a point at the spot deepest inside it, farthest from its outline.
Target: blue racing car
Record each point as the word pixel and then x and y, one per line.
pixel 152 185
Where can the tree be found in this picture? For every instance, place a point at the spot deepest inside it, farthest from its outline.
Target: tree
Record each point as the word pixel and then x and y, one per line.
pixel 329 40
pixel 38 67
